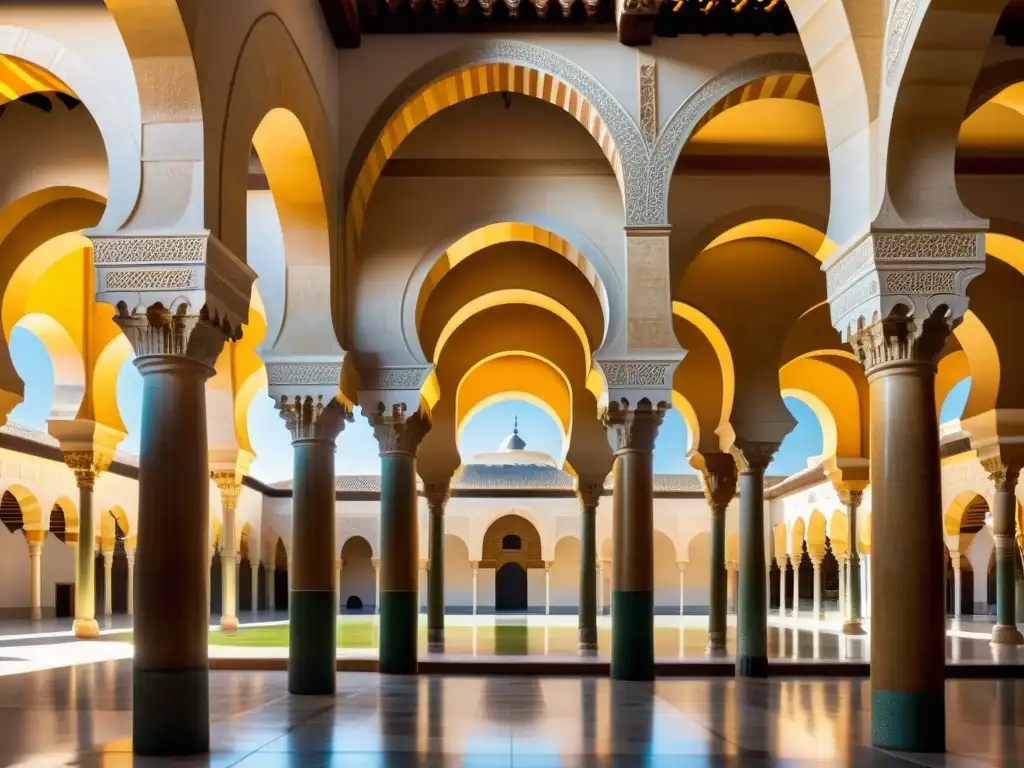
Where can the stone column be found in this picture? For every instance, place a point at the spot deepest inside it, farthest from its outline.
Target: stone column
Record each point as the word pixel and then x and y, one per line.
pixel 399 436
pixel 682 587
pixel 130 557
pixel 1004 511
pixel 476 572
pixel 632 432
pixel 752 616
pixel 842 584
pixel 600 587
pixel 798 559
pixel 817 610
pixel 720 478
pixel 271 584
pixel 437 498
pixel 254 574
pixel 375 562
pixel 230 486
pixel 108 574
pixel 87 466
pixel 313 623
pixel 547 588
pixel 35 539
pixel 730 570
pixel 589 494
pixel 852 624
pixel 957 585
pixel 339 567
pixel 783 591
pixel 908 621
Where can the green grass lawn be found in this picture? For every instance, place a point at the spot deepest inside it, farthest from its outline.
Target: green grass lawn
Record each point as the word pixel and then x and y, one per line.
pixel 351 634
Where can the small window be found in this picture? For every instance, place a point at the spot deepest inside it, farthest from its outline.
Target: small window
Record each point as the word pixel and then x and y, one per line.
pixel 512 542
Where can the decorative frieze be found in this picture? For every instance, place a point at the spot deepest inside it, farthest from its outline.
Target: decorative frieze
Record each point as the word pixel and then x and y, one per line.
pixel 633 428
pixel 911 275
pixel 633 381
pixel 405 377
pixel 309 418
pixel 396 431
pixel 648 97
pixel 901 13
pixel 437 493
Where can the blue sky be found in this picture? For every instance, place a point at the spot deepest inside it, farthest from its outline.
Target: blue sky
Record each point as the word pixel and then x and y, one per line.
pixel 357 449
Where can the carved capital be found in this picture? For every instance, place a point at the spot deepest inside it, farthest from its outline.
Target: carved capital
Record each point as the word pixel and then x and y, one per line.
pixel 158 331
pixel 900 339
pixel 631 382
pixel 87 466
pixel 589 492
pixel 309 419
pixel 756 455
pixel 1002 474
pixel 190 274
pixel 720 475
pixel 850 498
pixel 633 429
pixel 437 492
pixel 398 432
pixel 230 486
pixel 912 274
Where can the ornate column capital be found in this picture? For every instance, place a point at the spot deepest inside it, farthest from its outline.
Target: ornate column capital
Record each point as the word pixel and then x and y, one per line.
pixel 437 492
pixel 175 294
pixel 756 455
pixel 850 497
pixel 230 486
pixel 633 382
pixel 954 560
pixel 375 562
pixel 34 539
pixel 396 431
pixel 720 475
pixel 633 428
pixel 1002 473
pixel 896 295
pixel 88 446
pixel 681 565
pixel 310 419
pixel 589 491
pixel 85 467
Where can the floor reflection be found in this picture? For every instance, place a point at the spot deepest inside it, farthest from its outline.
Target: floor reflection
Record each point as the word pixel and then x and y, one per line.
pixel 82 716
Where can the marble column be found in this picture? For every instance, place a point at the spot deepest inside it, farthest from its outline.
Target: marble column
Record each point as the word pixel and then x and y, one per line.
pixel 399 436
pixel 313 624
pixel 865 586
pixel 852 624
pixel 731 569
pixel 547 588
pixel 437 498
pixel 254 573
pixel 797 560
pixel 130 557
pixel 842 584
pixel 600 587
pixel 228 481
pixel 87 466
pixel 783 590
pixel 339 568
pixel 108 578
pixel 1004 510
pixel 719 482
pixel 958 594
pixel 817 611
pixel 375 562
pixel 35 539
pixel 589 494
pixel 681 564
pixel 171 685
pixel 632 432
pixel 908 622
pixel 476 572
pixel 271 584
pixel 752 616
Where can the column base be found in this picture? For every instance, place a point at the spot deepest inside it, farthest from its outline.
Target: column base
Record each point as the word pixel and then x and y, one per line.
pixel 399 618
pixel 229 623
pixel 435 640
pixel 171 712
pixel 1006 634
pixel 752 666
pixel 716 645
pixel 35 614
pixel 86 629
pixel 853 627
pixel 632 636
pixel 909 722
pixel 312 643
pixel 586 641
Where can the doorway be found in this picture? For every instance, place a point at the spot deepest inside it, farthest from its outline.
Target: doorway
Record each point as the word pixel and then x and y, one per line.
pixel 510 589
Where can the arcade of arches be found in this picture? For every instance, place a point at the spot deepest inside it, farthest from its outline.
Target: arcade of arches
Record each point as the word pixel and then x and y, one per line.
pixel 409 229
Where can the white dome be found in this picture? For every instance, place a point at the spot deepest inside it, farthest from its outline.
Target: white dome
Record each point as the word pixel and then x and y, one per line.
pixel 512 452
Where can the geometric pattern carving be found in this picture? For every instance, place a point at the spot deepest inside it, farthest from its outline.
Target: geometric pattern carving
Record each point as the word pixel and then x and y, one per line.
pixel 900 15
pixel 314 374
pixel 376 379
pixel 637 374
pixel 920 282
pixel 648 101
pixel 150 280
pixel 149 250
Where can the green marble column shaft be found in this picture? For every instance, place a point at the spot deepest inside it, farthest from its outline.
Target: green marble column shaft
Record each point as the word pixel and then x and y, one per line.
pixel 312 627
pixel 852 623
pixel 435 574
pixel 399 560
pixel 719 592
pixel 171 702
pixel 752 603
pixel 85 625
pixel 587 630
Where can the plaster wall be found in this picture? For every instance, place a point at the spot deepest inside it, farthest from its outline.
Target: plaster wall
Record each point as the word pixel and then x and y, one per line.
pixel 266 255
pixel 979 553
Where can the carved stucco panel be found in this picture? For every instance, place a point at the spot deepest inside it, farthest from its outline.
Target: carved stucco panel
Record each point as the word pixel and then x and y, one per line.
pixel 648 296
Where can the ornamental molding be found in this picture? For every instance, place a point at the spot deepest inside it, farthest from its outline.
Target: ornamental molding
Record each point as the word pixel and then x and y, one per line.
pixel 638 374
pixel 648 97
pixel 394 378
pixel 920 271
pixel 397 432
pixel 193 270
pixel 900 16
pixel 633 428
pixel 652 209
pixel 315 374
pixel 310 418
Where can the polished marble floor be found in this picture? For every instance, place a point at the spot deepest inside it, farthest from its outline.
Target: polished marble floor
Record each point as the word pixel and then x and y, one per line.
pixel 81 716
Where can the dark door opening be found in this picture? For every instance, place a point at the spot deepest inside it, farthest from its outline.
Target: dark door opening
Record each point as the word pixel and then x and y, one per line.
pixel 64 601
pixel 510 589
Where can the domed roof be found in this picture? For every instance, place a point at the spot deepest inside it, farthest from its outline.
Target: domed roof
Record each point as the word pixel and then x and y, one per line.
pixel 513 442
pixel 512 452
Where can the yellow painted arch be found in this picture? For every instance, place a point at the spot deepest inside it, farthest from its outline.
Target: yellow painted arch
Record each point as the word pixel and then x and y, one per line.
pixel 799 235
pixel 793 86
pixel 31 513
pixel 458 87
pixel 512 296
pixel 716 338
pixel 20 78
pixel 983 363
pixel 833 397
pixel 530 376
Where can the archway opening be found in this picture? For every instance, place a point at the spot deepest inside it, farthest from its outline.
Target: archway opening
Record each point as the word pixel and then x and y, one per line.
pixel 358 582
pixel 280 578
pixel 510 589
